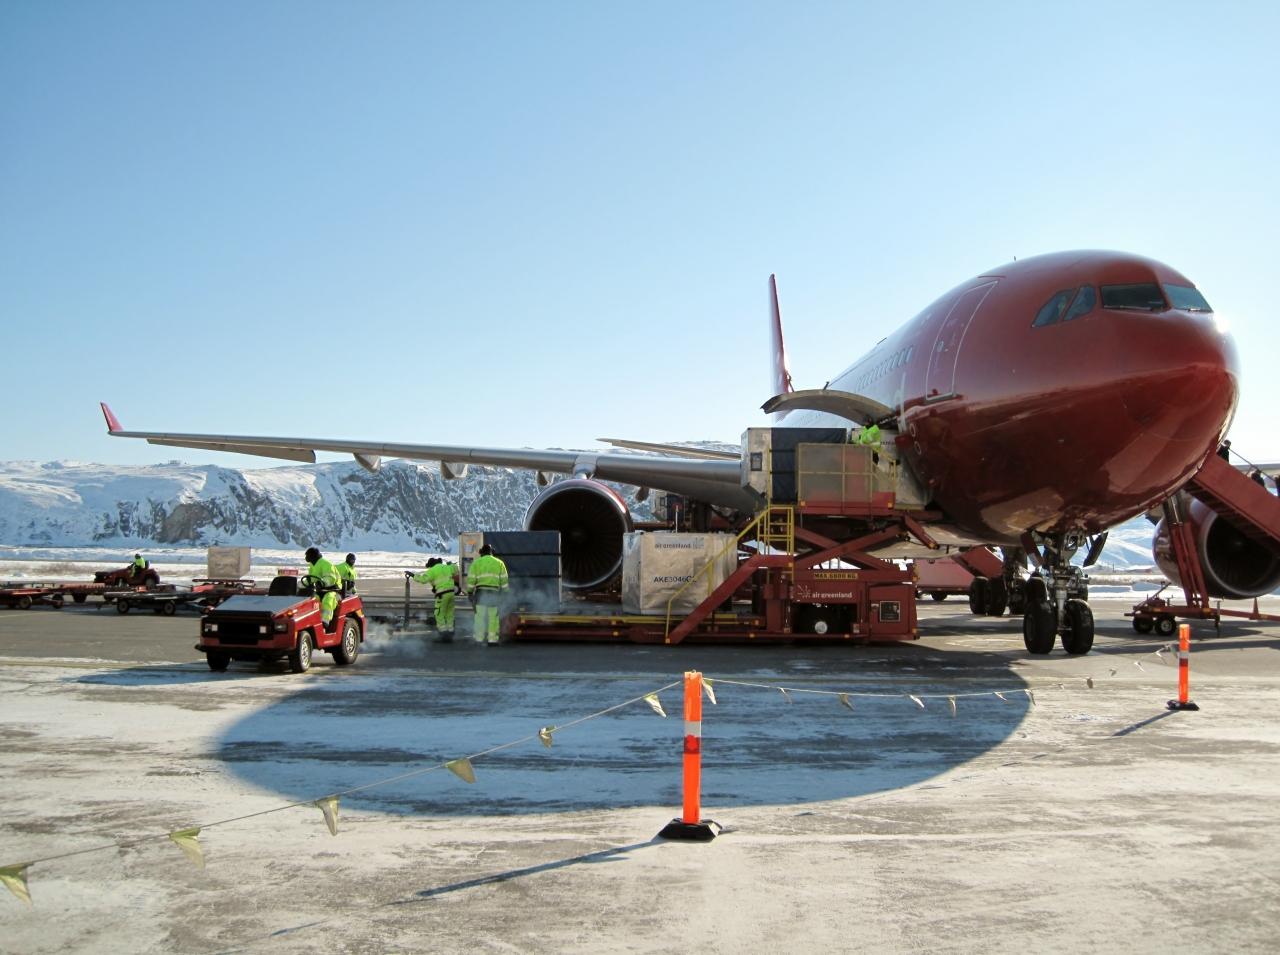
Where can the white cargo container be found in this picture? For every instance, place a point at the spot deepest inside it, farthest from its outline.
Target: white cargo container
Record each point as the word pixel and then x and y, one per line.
pixel 228 563
pixel 656 564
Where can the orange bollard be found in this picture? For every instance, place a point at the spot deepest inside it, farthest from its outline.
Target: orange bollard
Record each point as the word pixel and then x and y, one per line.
pixel 691 824
pixel 1183 702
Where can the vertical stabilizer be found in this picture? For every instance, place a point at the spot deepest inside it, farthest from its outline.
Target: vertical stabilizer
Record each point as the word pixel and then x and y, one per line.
pixel 781 375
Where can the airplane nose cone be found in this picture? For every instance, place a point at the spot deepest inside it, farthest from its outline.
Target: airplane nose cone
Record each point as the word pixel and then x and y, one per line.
pixel 1182 380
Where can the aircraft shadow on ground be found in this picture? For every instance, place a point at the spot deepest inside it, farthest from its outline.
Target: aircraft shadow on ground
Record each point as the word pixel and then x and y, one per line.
pixel 185 674
pixel 758 748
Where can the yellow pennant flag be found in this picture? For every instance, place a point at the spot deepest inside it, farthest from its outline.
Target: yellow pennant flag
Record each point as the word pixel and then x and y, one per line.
pixel 14 878
pixel 952 700
pixel 652 700
pixel 544 734
pixel 462 768
pixel 844 700
pixel 187 841
pixel 706 688
pixel 329 806
pixel 916 700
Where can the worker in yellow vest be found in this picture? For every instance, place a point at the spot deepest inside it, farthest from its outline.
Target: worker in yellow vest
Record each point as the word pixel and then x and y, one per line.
pixel 869 437
pixel 486 580
pixel 347 574
pixel 324 582
pixel 443 580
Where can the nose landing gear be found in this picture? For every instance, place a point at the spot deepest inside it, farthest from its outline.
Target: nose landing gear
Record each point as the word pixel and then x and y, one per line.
pixel 1055 597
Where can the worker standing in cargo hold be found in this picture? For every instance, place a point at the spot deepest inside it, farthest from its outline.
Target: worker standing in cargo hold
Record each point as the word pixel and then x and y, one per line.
pixel 486 580
pixel 347 574
pixel 324 579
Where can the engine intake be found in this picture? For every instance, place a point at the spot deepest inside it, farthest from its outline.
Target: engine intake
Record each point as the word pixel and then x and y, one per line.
pixel 1235 566
pixel 591 518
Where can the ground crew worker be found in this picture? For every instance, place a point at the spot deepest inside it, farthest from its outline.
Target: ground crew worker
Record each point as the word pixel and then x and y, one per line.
pixel 486 580
pixel 347 574
pixel 324 581
pixel 443 579
pixel 138 566
pixel 869 437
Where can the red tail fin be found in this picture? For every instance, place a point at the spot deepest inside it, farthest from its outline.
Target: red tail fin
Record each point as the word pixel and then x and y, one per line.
pixel 113 423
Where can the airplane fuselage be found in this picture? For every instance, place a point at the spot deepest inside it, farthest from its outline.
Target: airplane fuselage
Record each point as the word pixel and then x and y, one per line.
pixel 1053 394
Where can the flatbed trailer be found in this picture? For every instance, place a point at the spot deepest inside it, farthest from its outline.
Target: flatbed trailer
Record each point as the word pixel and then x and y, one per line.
pixel 24 596
pixel 166 600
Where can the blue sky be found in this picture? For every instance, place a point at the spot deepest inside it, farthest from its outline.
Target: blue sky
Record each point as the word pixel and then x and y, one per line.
pixel 535 224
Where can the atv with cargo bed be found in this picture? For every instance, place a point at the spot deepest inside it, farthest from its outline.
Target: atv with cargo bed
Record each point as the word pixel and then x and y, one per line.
pixel 285 622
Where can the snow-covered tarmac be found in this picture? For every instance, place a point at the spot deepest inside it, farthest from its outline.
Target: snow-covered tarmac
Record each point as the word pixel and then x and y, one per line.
pixel 1093 820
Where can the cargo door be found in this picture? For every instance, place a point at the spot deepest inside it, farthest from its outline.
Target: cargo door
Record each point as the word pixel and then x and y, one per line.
pixel 940 375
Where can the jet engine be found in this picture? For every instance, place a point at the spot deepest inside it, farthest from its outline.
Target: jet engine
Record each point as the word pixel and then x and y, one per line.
pixel 1235 566
pixel 591 518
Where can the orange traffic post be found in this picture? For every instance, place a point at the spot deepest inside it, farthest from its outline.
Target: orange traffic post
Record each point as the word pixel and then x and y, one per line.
pixel 1183 702
pixel 691 825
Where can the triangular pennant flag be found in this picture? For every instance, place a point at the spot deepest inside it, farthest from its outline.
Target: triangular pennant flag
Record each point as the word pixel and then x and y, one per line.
pixel 844 700
pixel 462 768
pixel 1160 654
pixel 952 701
pixel 329 806
pixel 1088 681
pixel 1030 696
pixel 1000 696
pixel 544 734
pixel 785 695
pixel 652 700
pixel 14 878
pixel 706 688
pixel 187 841
pixel 1138 664
pixel 1113 670
pixel 916 700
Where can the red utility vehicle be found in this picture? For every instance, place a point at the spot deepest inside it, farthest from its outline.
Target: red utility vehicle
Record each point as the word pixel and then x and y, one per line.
pixel 127 577
pixel 285 622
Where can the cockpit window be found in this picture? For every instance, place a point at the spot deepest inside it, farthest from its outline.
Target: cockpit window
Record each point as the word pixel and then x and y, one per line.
pixel 1053 309
pixel 1145 296
pixel 1086 298
pixel 1186 298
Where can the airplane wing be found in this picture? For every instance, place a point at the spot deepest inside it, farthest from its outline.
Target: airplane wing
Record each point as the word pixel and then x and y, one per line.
pixel 715 480
pixel 675 450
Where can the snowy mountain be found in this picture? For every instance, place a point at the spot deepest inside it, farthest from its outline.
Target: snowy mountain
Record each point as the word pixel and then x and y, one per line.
pixel 404 506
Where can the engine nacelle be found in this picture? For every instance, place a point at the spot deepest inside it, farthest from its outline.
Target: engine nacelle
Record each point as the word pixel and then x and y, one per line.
pixel 591 518
pixel 1235 566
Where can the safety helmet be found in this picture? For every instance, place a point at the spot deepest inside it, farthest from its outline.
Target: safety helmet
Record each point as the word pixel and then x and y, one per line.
pixel 312 555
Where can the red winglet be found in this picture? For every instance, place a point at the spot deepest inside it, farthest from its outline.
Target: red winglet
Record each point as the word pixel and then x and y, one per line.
pixel 113 423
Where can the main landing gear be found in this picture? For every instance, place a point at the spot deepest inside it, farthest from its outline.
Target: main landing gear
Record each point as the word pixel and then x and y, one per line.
pixel 1056 596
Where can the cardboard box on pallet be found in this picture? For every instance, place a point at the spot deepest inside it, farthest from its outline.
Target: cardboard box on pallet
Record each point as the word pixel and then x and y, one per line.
pixel 657 564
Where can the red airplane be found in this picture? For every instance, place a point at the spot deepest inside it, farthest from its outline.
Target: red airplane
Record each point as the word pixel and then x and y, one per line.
pixel 1037 405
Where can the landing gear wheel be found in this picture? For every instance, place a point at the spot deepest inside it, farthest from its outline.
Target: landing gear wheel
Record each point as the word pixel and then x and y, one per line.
pixel 1018 598
pixel 218 660
pixel 1165 626
pixel 169 608
pixel 122 605
pixel 1039 628
pixel 1143 624
pixel 1036 591
pixel 300 656
pixel 346 652
pixel 997 597
pixel 1077 628
pixel 978 595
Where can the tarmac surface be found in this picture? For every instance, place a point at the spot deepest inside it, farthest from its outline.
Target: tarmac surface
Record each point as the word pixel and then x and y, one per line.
pixel 1053 817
